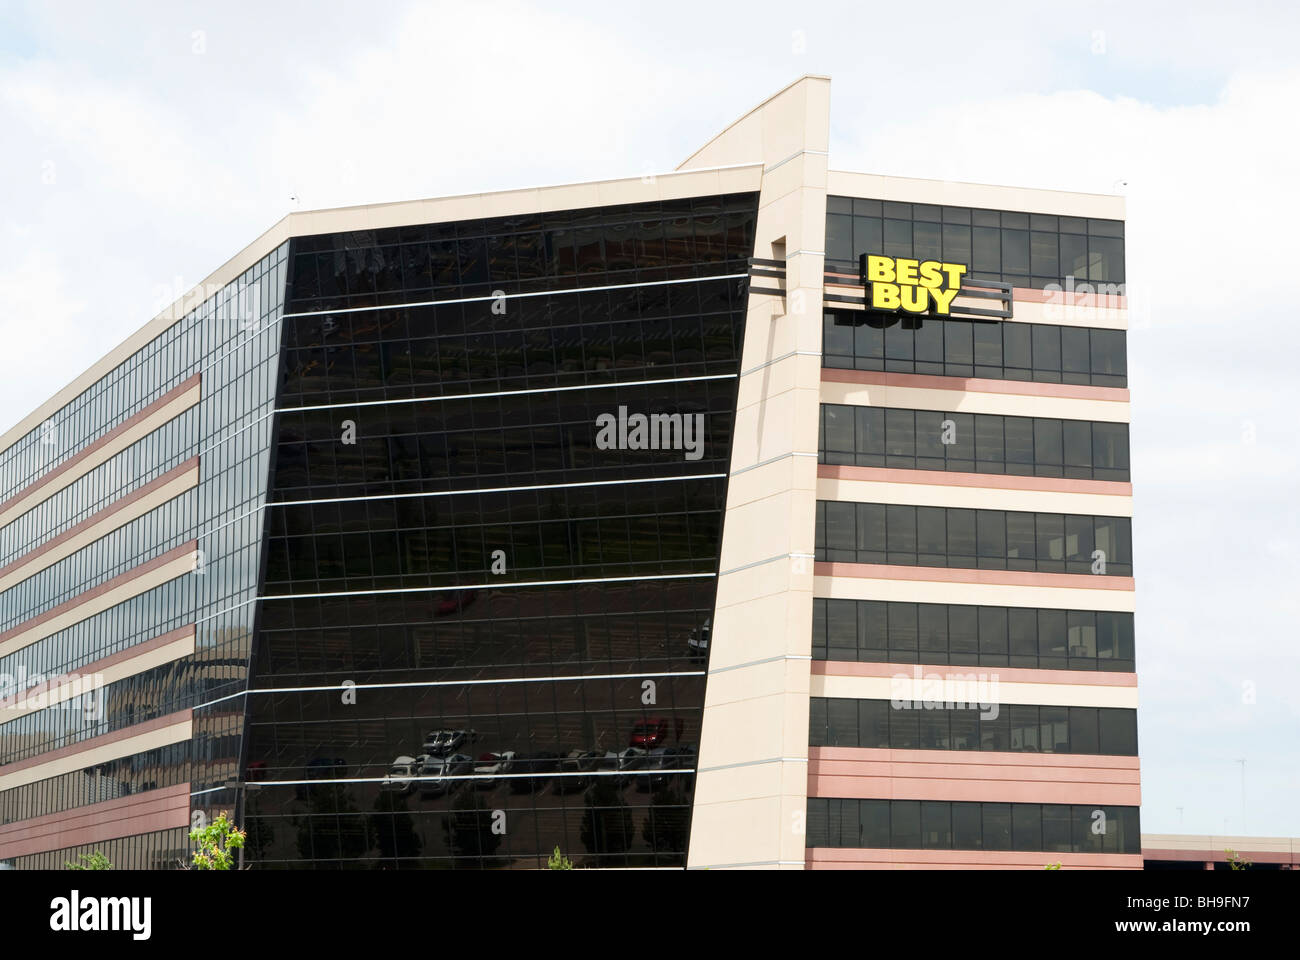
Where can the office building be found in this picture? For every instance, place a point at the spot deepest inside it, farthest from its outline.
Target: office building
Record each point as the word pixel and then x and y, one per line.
pixel 753 515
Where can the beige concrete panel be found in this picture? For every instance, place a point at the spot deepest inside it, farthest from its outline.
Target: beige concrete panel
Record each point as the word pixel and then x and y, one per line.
pixel 979 498
pixel 767 625
pixel 921 591
pixel 508 204
pixel 803 170
pixel 786 472
pixel 792 119
pixel 568 196
pixel 742 178
pixel 756 713
pixel 965 401
pixel 762 529
pixel 677 186
pixel 747 682
pixel 776 426
pixel 769 378
pixel 906 687
pixel 1217 844
pixel 747 735
pixel 1064 313
pixel 953 193
pixel 723 834
pixel 773 334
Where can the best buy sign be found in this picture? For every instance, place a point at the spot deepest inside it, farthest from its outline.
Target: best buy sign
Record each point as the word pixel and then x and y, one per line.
pixel 899 283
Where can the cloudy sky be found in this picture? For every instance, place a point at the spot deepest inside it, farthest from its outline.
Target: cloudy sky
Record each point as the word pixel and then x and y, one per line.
pixel 145 143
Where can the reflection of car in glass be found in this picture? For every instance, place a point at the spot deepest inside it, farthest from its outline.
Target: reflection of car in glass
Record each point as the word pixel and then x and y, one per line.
pixel 436 770
pixel 320 768
pixel 491 766
pixel 540 765
pixel 455 601
pixel 576 762
pixel 667 758
pixel 442 742
pixel 697 644
pixel 401 775
pixel 633 758
pixel 652 733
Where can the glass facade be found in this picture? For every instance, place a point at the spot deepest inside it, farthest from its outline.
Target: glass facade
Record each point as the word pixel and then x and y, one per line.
pixel 227 346
pixel 955 825
pixel 483 631
pixel 879 631
pixel 972 443
pixel 983 539
pixel 1023 249
pixel 1010 728
pixel 946 347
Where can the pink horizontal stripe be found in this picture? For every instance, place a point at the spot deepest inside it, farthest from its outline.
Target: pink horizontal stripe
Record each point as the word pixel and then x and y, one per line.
pixel 98 666
pixel 94 743
pixel 841 858
pixel 81 598
pixel 972 775
pixel 1017 388
pixel 946 478
pixel 99 516
pixel 1010 578
pixel 1089 678
pixel 98 822
pixel 117 431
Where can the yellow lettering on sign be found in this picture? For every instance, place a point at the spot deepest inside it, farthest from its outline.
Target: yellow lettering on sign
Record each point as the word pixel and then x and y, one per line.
pixel 915 299
pixel 943 299
pixel 954 271
pixel 903 283
pixel 880 269
pixel 884 296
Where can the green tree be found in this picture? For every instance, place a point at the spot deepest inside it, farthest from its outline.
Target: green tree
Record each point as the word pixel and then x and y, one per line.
pixel 559 861
pixel 334 828
pixel 1237 863
pixel 90 861
pixel 665 826
pixel 469 827
pixel 607 826
pixel 216 843
pixel 394 830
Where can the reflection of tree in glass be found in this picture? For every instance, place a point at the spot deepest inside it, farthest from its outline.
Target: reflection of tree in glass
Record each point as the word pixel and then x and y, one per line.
pixel 258 827
pixel 393 829
pixel 334 828
pixel 665 826
pixel 469 828
pixel 607 825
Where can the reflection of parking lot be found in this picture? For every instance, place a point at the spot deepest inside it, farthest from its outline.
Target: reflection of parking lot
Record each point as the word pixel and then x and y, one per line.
pixel 648 763
pixel 312 737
